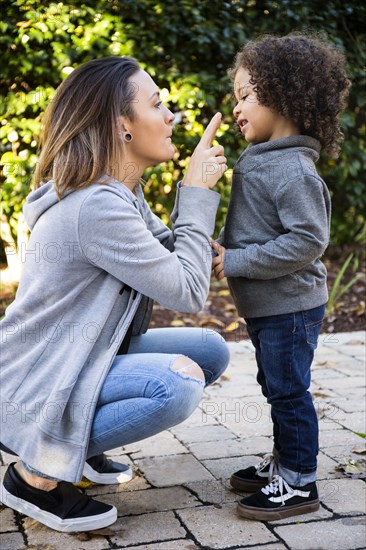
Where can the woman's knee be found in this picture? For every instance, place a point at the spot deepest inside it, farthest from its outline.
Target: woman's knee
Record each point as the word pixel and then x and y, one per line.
pixel 189 382
pixel 187 368
pixel 217 355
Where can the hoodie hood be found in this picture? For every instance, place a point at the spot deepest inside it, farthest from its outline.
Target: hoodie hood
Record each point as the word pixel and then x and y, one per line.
pixel 270 149
pixel 38 201
pixel 43 198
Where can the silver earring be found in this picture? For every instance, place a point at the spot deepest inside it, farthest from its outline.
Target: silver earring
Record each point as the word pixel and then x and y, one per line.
pixel 127 136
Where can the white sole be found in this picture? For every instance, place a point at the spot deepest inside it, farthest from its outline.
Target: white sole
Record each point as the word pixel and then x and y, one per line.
pixel 88 523
pixel 107 479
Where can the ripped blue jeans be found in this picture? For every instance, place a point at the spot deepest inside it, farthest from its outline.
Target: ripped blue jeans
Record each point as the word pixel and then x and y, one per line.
pixel 143 396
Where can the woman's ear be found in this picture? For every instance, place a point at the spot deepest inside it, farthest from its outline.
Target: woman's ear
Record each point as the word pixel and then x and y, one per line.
pixel 123 130
pixel 124 125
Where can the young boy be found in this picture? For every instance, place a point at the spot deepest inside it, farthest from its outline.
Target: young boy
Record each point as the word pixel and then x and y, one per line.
pixel 290 92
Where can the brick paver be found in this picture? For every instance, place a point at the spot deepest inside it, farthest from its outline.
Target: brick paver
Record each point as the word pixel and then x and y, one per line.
pixel 180 498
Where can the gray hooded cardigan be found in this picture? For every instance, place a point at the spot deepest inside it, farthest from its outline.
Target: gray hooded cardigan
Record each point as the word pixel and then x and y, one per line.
pixel 72 308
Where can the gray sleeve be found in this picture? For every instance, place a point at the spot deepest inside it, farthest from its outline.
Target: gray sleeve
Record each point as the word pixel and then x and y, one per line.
pixel 159 230
pixel 174 214
pixel 128 250
pixel 304 210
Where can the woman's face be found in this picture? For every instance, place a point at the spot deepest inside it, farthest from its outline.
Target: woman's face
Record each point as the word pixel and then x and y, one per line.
pixel 151 130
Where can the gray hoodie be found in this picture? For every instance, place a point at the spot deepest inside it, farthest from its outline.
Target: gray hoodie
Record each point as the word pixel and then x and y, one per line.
pixel 276 229
pixel 74 306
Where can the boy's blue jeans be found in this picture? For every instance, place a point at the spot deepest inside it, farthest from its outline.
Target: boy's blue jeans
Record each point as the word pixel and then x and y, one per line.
pixel 284 347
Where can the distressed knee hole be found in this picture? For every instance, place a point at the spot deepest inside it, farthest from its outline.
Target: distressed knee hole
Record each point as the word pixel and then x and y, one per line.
pixel 188 368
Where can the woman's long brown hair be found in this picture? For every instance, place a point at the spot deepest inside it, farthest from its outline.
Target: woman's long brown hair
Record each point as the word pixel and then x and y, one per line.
pixel 80 140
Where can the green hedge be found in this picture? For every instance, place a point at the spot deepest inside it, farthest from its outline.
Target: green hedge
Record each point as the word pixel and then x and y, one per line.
pixel 187 47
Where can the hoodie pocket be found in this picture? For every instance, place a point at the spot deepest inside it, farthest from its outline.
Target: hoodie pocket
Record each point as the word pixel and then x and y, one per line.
pixel 288 284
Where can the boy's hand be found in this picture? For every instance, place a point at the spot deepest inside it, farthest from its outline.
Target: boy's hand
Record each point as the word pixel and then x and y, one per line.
pixel 208 163
pixel 218 261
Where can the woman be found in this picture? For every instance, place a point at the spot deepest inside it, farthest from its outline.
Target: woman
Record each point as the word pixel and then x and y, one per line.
pixel 80 374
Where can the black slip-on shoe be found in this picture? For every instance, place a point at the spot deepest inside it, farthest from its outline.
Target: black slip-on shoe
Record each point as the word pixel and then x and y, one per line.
pixel 65 508
pixel 103 470
pixel 252 479
pixel 279 500
pixel 99 469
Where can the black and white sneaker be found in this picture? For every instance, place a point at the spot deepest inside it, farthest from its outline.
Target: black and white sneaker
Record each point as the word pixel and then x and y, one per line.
pixel 65 508
pixel 103 470
pixel 278 500
pixel 99 469
pixel 255 477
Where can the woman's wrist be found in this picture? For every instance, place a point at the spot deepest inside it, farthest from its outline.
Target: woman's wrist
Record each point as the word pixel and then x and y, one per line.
pixel 196 184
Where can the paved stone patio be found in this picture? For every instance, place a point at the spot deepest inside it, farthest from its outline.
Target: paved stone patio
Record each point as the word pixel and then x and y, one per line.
pixel 180 498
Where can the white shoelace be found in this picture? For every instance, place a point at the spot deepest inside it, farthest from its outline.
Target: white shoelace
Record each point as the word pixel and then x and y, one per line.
pixel 278 484
pixel 268 460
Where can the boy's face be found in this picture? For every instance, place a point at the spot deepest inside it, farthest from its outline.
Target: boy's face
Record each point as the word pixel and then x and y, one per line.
pixel 256 122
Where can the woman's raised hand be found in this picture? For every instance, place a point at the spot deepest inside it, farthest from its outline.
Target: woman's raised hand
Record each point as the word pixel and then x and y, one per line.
pixel 207 163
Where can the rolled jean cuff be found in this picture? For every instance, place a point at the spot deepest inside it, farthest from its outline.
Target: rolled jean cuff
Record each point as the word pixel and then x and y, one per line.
pixel 37 473
pixel 296 479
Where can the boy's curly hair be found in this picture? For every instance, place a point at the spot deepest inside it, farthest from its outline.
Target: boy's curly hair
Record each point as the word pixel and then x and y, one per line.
pixel 301 77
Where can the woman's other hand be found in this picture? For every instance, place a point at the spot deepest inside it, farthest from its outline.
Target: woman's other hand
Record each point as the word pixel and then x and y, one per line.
pixel 208 163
